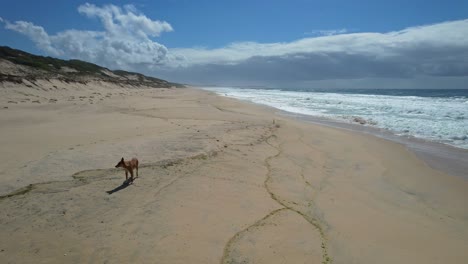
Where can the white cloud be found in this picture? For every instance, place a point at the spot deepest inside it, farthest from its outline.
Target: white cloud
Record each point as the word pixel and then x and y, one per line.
pixel 443 35
pixel 327 32
pixel 36 33
pixel 128 21
pixel 125 42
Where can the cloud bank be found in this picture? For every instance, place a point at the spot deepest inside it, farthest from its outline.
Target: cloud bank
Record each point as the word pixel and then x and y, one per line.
pixel 412 57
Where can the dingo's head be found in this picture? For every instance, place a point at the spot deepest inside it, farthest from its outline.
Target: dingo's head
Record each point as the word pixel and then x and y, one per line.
pixel 120 164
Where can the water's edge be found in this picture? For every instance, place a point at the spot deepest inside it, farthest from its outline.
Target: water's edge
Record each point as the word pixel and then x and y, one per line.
pixel 436 155
pixel 439 156
pixel 440 119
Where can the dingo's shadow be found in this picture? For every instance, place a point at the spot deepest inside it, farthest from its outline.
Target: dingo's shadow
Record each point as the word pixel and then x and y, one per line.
pixel 124 185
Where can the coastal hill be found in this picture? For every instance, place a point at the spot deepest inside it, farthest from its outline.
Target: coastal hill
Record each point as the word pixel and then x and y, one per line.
pixel 17 66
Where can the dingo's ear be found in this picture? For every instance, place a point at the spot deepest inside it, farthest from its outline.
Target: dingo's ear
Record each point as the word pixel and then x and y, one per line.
pixel 122 159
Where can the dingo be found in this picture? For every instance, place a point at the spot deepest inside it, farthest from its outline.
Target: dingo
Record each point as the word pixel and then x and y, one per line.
pixel 128 167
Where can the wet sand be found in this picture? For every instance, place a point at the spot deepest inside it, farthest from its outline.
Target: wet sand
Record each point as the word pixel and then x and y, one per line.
pixel 439 156
pixel 221 181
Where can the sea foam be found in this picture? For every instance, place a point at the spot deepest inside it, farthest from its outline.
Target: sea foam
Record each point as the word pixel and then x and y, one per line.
pixel 438 117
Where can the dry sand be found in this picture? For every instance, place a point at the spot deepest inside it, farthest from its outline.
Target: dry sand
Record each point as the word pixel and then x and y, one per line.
pixel 221 181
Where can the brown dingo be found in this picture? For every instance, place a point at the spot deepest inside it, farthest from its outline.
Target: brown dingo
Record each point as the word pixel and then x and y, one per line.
pixel 128 167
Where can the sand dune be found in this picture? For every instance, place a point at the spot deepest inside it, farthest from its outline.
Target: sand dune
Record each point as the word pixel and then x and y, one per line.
pixel 221 181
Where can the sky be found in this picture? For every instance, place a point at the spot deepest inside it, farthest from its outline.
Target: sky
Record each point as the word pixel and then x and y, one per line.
pixel 277 43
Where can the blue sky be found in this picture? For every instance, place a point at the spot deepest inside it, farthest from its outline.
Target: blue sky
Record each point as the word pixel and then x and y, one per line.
pixel 311 43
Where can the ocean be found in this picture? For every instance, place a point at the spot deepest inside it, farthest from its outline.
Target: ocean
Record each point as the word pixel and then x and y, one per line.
pixel 435 115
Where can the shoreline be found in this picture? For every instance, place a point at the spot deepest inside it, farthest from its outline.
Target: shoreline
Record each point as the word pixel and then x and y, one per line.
pixel 263 96
pixel 221 181
pixel 440 156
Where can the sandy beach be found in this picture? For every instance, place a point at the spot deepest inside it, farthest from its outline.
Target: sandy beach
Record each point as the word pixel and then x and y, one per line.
pixel 220 181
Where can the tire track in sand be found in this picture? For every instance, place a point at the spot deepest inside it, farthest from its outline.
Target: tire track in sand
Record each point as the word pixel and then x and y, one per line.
pixel 326 259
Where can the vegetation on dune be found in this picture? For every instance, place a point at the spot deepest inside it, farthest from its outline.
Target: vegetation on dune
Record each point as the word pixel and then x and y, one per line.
pixel 47 63
pixel 74 70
